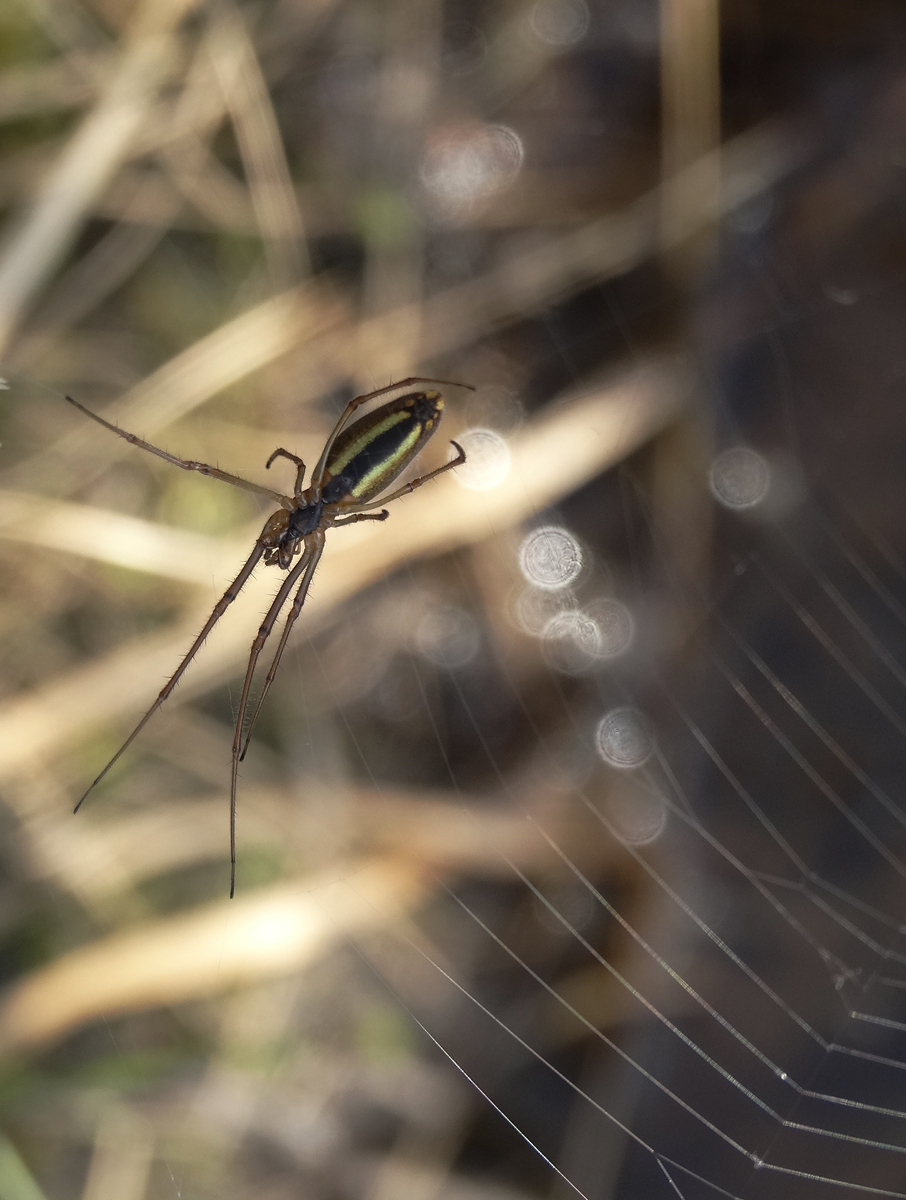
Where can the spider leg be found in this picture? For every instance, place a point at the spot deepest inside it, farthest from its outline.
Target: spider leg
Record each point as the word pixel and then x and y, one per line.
pixel 261 637
pixel 356 402
pixel 293 458
pixel 381 516
pixel 219 609
pixel 187 464
pixel 313 558
pixel 415 483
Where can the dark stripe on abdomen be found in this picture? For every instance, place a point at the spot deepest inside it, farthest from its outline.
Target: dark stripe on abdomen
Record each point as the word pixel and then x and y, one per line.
pixel 377 452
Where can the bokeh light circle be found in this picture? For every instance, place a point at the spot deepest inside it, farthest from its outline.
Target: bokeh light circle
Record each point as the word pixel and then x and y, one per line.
pixel 560 23
pixel 624 738
pixel 616 626
pixel 636 811
pixel 495 407
pixel 740 477
pixel 448 636
pixel 572 642
pixel 533 608
pixel 468 163
pixel 550 557
pixel 487 460
pixel 571 908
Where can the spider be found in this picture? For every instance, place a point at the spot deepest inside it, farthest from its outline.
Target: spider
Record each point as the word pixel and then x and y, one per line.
pixel 357 463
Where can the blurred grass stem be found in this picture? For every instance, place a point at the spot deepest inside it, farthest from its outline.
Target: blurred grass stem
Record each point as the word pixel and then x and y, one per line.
pixel 40 240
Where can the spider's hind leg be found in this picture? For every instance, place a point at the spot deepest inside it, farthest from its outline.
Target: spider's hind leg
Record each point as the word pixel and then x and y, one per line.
pixel 381 516
pixel 299 600
pixel 417 483
pixel 306 564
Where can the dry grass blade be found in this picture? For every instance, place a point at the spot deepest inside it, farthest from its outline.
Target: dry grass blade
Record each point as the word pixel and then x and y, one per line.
pixel 690 99
pixel 87 284
pixel 276 930
pixel 181 136
pixel 246 96
pixel 25 91
pixel 230 353
pixel 111 537
pixel 221 946
pixel 426 826
pixel 529 279
pixel 35 247
pixel 122 1156
pixel 522 283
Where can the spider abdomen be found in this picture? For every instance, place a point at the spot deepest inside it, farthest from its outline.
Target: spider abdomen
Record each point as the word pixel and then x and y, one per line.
pixel 372 452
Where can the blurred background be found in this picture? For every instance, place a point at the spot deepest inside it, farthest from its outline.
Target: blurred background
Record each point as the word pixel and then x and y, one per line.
pixel 571 838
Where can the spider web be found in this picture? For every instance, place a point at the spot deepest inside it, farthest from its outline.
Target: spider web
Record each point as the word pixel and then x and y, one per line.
pixel 771 1023
pixel 754 1040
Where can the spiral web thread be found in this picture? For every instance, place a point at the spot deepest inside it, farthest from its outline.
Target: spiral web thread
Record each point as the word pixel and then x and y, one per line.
pixel 771 1062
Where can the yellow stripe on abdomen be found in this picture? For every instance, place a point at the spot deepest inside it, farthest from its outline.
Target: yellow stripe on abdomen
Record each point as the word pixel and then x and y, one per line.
pixel 348 453
pixel 386 468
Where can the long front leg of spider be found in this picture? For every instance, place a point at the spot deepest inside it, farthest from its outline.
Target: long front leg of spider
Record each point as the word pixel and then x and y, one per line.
pixel 219 609
pixel 313 555
pixel 261 637
pixel 185 463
